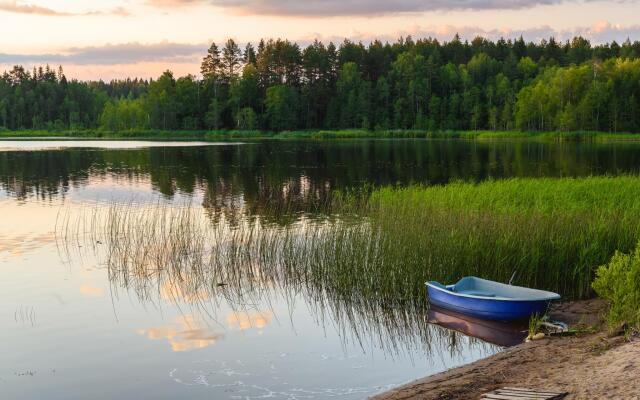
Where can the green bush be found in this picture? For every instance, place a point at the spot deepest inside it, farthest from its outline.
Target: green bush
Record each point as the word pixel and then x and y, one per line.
pixel 618 282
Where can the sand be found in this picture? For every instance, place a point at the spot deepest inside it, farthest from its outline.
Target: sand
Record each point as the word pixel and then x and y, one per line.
pixel 588 366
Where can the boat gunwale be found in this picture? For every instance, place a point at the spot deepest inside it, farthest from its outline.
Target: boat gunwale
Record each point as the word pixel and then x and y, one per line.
pixel 551 296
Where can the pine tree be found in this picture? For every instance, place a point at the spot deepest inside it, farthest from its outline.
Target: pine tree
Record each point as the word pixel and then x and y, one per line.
pixel 231 60
pixel 211 64
pixel 249 56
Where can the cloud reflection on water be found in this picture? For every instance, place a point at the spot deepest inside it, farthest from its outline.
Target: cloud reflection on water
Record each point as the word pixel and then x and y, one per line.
pixel 248 320
pixel 17 245
pixel 88 290
pixel 184 291
pixel 184 333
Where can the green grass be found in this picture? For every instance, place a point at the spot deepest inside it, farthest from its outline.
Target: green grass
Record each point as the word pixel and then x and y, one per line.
pixel 322 134
pixel 535 323
pixel 554 232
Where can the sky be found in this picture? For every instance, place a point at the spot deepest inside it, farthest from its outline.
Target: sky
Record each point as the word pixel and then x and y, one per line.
pixel 107 39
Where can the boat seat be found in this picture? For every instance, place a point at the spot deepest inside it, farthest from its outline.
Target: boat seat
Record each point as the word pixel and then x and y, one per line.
pixel 477 293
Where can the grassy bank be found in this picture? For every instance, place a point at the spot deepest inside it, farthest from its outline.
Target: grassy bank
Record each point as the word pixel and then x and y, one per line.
pixel 323 134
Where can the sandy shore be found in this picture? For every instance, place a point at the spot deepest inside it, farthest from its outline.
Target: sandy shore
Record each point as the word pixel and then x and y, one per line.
pixel 588 366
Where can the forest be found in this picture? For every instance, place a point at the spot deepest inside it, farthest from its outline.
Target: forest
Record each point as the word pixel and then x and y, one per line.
pixel 279 85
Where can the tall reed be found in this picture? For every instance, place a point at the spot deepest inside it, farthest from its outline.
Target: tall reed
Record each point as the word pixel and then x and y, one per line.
pixel 179 254
pixel 552 232
pixel 365 265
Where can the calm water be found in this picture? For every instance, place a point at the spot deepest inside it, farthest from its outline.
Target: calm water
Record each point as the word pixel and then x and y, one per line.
pixel 71 328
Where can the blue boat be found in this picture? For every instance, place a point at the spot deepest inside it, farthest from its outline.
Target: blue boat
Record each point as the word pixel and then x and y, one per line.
pixel 486 299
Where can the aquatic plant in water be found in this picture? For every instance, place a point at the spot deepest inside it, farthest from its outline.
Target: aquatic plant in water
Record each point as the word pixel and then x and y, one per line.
pixel 365 264
pixel 180 254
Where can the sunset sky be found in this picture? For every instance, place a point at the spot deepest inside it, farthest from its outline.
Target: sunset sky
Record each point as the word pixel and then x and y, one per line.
pixel 105 39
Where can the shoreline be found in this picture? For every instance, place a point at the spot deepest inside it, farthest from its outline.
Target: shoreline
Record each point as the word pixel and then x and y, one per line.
pixel 94 134
pixel 589 365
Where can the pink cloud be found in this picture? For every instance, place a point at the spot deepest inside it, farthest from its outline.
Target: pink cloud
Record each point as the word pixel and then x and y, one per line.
pixel 19 8
pixel 325 8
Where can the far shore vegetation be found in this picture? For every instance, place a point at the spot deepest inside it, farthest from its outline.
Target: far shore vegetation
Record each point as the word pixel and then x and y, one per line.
pixel 151 134
pixel 403 87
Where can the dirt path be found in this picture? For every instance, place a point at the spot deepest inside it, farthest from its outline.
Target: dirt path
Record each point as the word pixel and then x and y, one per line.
pixel 590 366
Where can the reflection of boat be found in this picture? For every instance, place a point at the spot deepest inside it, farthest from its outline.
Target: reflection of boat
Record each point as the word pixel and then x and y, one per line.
pixel 499 333
pixel 490 300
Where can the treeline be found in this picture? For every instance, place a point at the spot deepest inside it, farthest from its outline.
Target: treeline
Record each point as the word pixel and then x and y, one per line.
pixel 279 85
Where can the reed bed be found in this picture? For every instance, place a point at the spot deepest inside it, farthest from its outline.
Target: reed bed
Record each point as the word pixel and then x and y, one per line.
pixel 180 254
pixel 364 265
pixel 385 243
pixel 552 232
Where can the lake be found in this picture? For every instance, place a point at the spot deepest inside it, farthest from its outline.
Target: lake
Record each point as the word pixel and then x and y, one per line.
pixel 99 301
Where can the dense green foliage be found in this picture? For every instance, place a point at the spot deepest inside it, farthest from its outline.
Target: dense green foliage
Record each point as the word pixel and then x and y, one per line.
pixel 553 231
pixel 231 134
pixel 618 282
pixel 422 85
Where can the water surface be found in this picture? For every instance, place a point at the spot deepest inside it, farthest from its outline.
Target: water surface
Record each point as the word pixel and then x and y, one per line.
pixel 72 328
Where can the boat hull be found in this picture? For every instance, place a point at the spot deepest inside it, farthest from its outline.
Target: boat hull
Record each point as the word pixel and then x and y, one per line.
pixel 493 309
